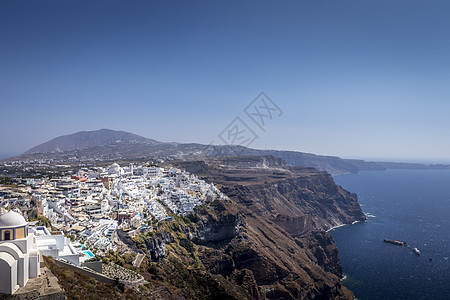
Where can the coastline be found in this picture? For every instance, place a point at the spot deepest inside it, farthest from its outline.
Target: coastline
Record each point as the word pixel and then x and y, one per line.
pixel 343 225
pixel 338 226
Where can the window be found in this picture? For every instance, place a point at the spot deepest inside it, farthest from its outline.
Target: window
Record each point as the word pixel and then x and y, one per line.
pixel 7 235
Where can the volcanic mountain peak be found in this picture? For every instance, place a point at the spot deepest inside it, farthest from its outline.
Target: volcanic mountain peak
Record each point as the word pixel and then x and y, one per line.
pixel 89 139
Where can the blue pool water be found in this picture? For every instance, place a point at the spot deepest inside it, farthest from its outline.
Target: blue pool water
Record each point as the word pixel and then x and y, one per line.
pixel 406 205
pixel 88 253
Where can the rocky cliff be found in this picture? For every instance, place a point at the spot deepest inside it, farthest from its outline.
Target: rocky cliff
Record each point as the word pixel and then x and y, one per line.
pixel 300 203
pixel 255 256
pixel 267 242
pixel 298 199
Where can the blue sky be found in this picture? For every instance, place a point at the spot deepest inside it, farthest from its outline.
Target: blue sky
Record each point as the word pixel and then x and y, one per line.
pixel 360 79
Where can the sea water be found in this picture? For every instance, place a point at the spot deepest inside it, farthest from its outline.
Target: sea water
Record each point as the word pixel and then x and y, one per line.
pixel 406 205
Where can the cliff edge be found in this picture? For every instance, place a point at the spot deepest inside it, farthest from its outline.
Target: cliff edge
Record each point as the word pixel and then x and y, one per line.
pixel 269 239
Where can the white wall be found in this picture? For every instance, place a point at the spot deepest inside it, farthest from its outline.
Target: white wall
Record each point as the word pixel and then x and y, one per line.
pixel 8 273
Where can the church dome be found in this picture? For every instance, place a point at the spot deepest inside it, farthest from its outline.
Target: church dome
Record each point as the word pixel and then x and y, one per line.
pixel 114 166
pixel 12 219
pixel 115 169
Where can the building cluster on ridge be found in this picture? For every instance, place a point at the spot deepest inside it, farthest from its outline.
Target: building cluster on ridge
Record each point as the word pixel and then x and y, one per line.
pixel 92 203
pixel 89 206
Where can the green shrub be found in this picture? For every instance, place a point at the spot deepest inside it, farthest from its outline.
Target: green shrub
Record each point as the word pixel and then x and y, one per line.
pixel 68 276
pixel 187 244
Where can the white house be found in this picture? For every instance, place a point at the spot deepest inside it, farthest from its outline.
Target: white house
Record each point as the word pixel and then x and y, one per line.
pixel 136 221
pixel 56 246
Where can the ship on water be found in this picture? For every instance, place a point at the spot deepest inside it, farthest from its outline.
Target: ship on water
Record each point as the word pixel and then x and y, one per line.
pixel 395 242
pixel 416 251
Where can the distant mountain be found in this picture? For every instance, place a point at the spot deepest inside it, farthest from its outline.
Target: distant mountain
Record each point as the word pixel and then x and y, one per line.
pixel 89 139
pixel 110 145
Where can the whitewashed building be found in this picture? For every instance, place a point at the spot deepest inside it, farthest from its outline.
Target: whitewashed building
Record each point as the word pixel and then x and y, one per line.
pixel 19 256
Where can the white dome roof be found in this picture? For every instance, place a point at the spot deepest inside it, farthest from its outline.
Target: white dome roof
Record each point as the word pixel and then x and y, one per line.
pixel 12 219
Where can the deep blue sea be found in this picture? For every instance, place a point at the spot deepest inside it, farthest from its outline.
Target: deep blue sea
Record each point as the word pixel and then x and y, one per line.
pixel 406 205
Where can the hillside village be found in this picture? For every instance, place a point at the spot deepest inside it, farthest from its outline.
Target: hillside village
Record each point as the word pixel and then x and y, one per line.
pixel 91 204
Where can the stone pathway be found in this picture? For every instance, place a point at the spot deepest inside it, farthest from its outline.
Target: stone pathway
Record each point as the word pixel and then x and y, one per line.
pixel 137 262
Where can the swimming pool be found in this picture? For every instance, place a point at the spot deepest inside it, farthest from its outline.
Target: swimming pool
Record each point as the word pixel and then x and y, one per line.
pixel 88 253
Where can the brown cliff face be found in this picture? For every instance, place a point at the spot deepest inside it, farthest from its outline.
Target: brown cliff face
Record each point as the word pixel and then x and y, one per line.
pixel 299 204
pixel 278 249
pixel 298 199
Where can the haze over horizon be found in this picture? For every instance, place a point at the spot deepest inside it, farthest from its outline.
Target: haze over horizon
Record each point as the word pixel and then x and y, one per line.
pixel 355 80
